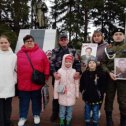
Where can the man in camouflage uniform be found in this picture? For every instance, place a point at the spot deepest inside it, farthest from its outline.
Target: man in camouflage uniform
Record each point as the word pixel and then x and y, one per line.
pixel 56 60
pixel 117 49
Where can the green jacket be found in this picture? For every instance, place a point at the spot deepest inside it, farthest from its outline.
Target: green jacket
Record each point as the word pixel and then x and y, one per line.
pixel 114 50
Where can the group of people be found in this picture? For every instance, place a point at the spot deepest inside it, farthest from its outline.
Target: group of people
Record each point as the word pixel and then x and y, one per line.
pixel 17 69
pixel 68 80
pixel 97 79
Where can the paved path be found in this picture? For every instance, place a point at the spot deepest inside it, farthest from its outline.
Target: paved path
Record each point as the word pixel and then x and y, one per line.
pixel 77 114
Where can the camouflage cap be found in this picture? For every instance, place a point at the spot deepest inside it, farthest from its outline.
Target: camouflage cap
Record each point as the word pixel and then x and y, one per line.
pixel 63 35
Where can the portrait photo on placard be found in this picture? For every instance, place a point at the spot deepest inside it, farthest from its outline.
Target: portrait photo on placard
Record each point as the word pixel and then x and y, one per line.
pixel 120 68
pixel 88 51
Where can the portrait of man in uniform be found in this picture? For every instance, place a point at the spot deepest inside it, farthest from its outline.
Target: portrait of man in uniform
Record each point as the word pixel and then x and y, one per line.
pixel 120 68
pixel 88 51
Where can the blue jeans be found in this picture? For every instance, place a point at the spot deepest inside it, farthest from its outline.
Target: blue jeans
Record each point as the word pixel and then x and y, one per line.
pixel 95 109
pixel 65 112
pixel 24 100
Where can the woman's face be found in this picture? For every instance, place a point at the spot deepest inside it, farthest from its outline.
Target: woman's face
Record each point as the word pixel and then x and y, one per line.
pixel 97 38
pixel 29 43
pixel 4 44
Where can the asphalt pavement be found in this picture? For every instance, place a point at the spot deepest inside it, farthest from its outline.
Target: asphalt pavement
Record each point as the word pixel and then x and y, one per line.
pixel 78 118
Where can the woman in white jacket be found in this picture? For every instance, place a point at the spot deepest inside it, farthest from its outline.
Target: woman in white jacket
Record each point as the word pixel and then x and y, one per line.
pixel 7 80
pixel 66 90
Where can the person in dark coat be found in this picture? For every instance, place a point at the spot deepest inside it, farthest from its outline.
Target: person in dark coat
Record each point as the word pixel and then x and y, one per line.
pixel 56 62
pixel 116 49
pixel 92 87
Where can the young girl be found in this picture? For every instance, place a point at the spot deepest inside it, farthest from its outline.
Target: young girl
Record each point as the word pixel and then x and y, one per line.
pixel 92 87
pixel 66 90
pixel 7 80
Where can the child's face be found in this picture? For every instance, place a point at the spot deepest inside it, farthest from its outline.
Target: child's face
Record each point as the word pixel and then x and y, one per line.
pixel 68 63
pixel 118 37
pixel 92 65
pixel 4 44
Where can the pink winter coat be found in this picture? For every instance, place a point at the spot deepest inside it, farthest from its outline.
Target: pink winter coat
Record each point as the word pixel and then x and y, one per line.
pixel 24 69
pixel 71 85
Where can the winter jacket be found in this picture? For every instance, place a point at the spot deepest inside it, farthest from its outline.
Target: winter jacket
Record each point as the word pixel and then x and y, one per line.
pixel 71 85
pixel 57 55
pixel 8 77
pixel 24 69
pixel 101 51
pixel 92 85
pixel 113 50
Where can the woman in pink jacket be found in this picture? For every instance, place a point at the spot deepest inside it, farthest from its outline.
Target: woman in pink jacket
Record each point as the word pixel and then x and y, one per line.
pixel 66 90
pixel 27 89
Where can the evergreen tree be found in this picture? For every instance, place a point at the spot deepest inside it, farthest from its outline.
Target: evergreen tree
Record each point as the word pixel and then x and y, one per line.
pixel 15 13
pixel 6 30
pixel 108 14
pixel 69 14
pixel 75 15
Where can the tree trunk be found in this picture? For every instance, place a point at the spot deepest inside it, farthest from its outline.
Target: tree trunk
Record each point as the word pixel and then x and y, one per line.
pixel 85 21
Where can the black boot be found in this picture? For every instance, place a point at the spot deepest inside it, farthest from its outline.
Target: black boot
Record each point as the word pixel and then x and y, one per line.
pixel 95 124
pixel 55 110
pixel 123 120
pixel 9 124
pixel 109 121
pixel 87 124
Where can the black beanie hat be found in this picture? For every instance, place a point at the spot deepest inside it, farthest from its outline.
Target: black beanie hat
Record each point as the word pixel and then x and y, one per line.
pixel 118 30
pixel 92 59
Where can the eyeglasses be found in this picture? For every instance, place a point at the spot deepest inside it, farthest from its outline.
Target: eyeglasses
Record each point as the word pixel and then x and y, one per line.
pixel 29 41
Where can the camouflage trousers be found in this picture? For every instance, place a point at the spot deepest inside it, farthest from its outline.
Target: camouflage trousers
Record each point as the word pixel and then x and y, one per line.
pixel 113 87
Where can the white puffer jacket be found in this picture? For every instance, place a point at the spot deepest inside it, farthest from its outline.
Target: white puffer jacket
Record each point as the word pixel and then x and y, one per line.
pixel 8 76
pixel 72 85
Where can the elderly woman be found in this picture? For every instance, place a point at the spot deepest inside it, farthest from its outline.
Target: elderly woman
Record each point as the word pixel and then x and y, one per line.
pixel 28 90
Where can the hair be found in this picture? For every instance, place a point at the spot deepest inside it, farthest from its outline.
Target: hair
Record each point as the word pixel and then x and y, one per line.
pixel 89 48
pixel 28 37
pixel 98 32
pixel 6 37
pixel 87 68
